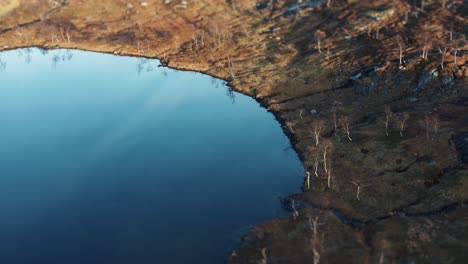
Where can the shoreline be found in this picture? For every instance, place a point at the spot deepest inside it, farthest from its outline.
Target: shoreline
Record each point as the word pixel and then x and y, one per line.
pixel 262 103
pixel 277 63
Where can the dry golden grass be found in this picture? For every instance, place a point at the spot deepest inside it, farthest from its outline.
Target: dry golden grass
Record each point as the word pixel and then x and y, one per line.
pixel 8 5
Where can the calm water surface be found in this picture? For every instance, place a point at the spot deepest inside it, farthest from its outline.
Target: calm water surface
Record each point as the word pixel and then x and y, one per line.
pixel 107 159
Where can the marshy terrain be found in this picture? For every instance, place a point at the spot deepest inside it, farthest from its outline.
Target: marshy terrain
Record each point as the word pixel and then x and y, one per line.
pixel 372 95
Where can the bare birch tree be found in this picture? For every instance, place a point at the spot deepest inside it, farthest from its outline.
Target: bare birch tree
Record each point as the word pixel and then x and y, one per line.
pixel 230 69
pixel 301 113
pixel 431 125
pixel 326 159
pixel 443 50
pixel 294 209
pixel 319 36
pixel 336 107
pixel 315 155
pixel 317 127
pixel 426 46
pixel 308 179
pixel 346 126
pixel 359 186
pixel 315 241
pixel 400 47
pixel 401 121
pixel 388 116
pixel 264 257
pixel 427 123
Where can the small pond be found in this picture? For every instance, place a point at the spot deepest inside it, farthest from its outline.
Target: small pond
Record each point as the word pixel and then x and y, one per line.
pixel 107 159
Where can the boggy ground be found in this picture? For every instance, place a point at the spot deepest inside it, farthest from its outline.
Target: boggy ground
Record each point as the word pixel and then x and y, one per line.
pixel 332 76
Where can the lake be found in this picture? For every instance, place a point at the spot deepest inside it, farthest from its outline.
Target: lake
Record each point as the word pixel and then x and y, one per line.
pixel 107 159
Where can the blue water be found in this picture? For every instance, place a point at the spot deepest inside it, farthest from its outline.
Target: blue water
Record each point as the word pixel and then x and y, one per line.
pixel 107 159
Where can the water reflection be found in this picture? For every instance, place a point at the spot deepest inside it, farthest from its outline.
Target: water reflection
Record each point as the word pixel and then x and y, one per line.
pixel 2 64
pixel 146 65
pixel 60 56
pixel 230 94
pixel 43 51
pixel 143 65
pixel 102 163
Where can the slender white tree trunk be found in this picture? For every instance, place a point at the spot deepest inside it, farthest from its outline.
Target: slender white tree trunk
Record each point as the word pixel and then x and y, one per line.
pixel 401 51
pixel 316 167
pixel 325 159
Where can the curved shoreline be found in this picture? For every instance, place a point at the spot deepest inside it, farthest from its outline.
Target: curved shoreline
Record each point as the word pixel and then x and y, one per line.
pixel 234 183
pixel 263 103
pixel 276 61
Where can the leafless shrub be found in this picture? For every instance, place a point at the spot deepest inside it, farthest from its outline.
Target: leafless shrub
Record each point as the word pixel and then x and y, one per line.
pixel 290 125
pixel 402 119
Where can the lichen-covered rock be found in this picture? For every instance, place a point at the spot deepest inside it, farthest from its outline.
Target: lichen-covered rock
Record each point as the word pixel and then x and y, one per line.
pixel 426 79
pixel 461 144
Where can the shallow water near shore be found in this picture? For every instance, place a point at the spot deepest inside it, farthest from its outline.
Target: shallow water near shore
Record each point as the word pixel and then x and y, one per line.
pixel 107 159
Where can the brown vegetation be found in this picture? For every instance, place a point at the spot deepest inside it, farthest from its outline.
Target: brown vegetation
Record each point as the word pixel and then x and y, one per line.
pixel 389 197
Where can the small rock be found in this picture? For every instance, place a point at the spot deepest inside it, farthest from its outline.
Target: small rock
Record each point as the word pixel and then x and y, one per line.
pixel 446 80
pixel 129 6
pixel 356 76
pixel 426 78
pixel 313 111
pixel 144 4
pixel 461 144
pixel 260 235
pixel 412 99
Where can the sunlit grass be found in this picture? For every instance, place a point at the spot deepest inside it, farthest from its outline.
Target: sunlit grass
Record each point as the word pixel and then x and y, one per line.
pixel 8 5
